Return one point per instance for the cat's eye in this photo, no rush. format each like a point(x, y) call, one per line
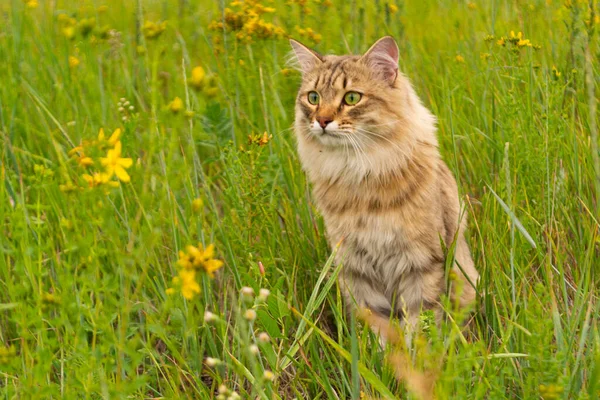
point(313, 98)
point(351, 98)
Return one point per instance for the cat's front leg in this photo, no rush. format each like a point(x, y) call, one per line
point(362, 295)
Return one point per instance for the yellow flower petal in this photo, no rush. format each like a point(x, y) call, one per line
point(125, 162)
point(86, 161)
point(209, 252)
point(101, 134)
point(114, 138)
point(122, 174)
point(77, 149)
point(211, 266)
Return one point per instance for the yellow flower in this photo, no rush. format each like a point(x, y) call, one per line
point(185, 261)
point(73, 61)
point(199, 258)
point(31, 4)
point(96, 179)
point(555, 72)
point(459, 59)
point(114, 137)
point(197, 79)
point(175, 105)
point(393, 8)
point(524, 42)
point(68, 31)
point(210, 266)
point(501, 41)
point(75, 150)
point(472, 6)
point(114, 164)
point(191, 260)
point(189, 286)
point(197, 204)
point(85, 161)
point(152, 30)
point(102, 9)
point(82, 159)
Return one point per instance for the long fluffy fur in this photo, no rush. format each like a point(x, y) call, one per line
point(381, 185)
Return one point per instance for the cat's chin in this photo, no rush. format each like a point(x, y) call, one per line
point(330, 140)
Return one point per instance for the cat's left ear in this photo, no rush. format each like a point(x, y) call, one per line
point(382, 58)
point(307, 58)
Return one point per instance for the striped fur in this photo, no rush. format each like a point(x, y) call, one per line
point(380, 183)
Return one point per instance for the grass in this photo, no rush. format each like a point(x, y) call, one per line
point(84, 271)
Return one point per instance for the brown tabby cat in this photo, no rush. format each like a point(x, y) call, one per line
point(369, 147)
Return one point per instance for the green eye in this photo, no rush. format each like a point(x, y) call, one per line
point(351, 98)
point(313, 98)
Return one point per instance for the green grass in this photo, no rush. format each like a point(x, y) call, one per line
point(83, 274)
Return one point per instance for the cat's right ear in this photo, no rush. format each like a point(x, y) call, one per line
point(306, 59)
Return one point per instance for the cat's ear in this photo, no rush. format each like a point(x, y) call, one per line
point(305, 58)
point(382, 58)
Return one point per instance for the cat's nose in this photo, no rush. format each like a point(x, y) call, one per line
point(323, 121)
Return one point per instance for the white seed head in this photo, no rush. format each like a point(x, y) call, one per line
point(247, 291)
point(123, 99)
point(223, 389)
point(268, 375)
point(209, 317)
point(253, 349)
point(263, 337)
point(263, 294)
point(131, 108)
point(250, 315)
point(211, 362)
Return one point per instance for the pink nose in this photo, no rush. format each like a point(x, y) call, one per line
point(323, 121)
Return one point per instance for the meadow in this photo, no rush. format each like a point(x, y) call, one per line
point(157, 233)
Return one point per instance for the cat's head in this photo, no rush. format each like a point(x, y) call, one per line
point(348, 101)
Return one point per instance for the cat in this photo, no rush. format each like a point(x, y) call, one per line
point(388, 200)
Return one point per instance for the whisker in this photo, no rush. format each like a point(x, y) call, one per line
point(364, 131)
